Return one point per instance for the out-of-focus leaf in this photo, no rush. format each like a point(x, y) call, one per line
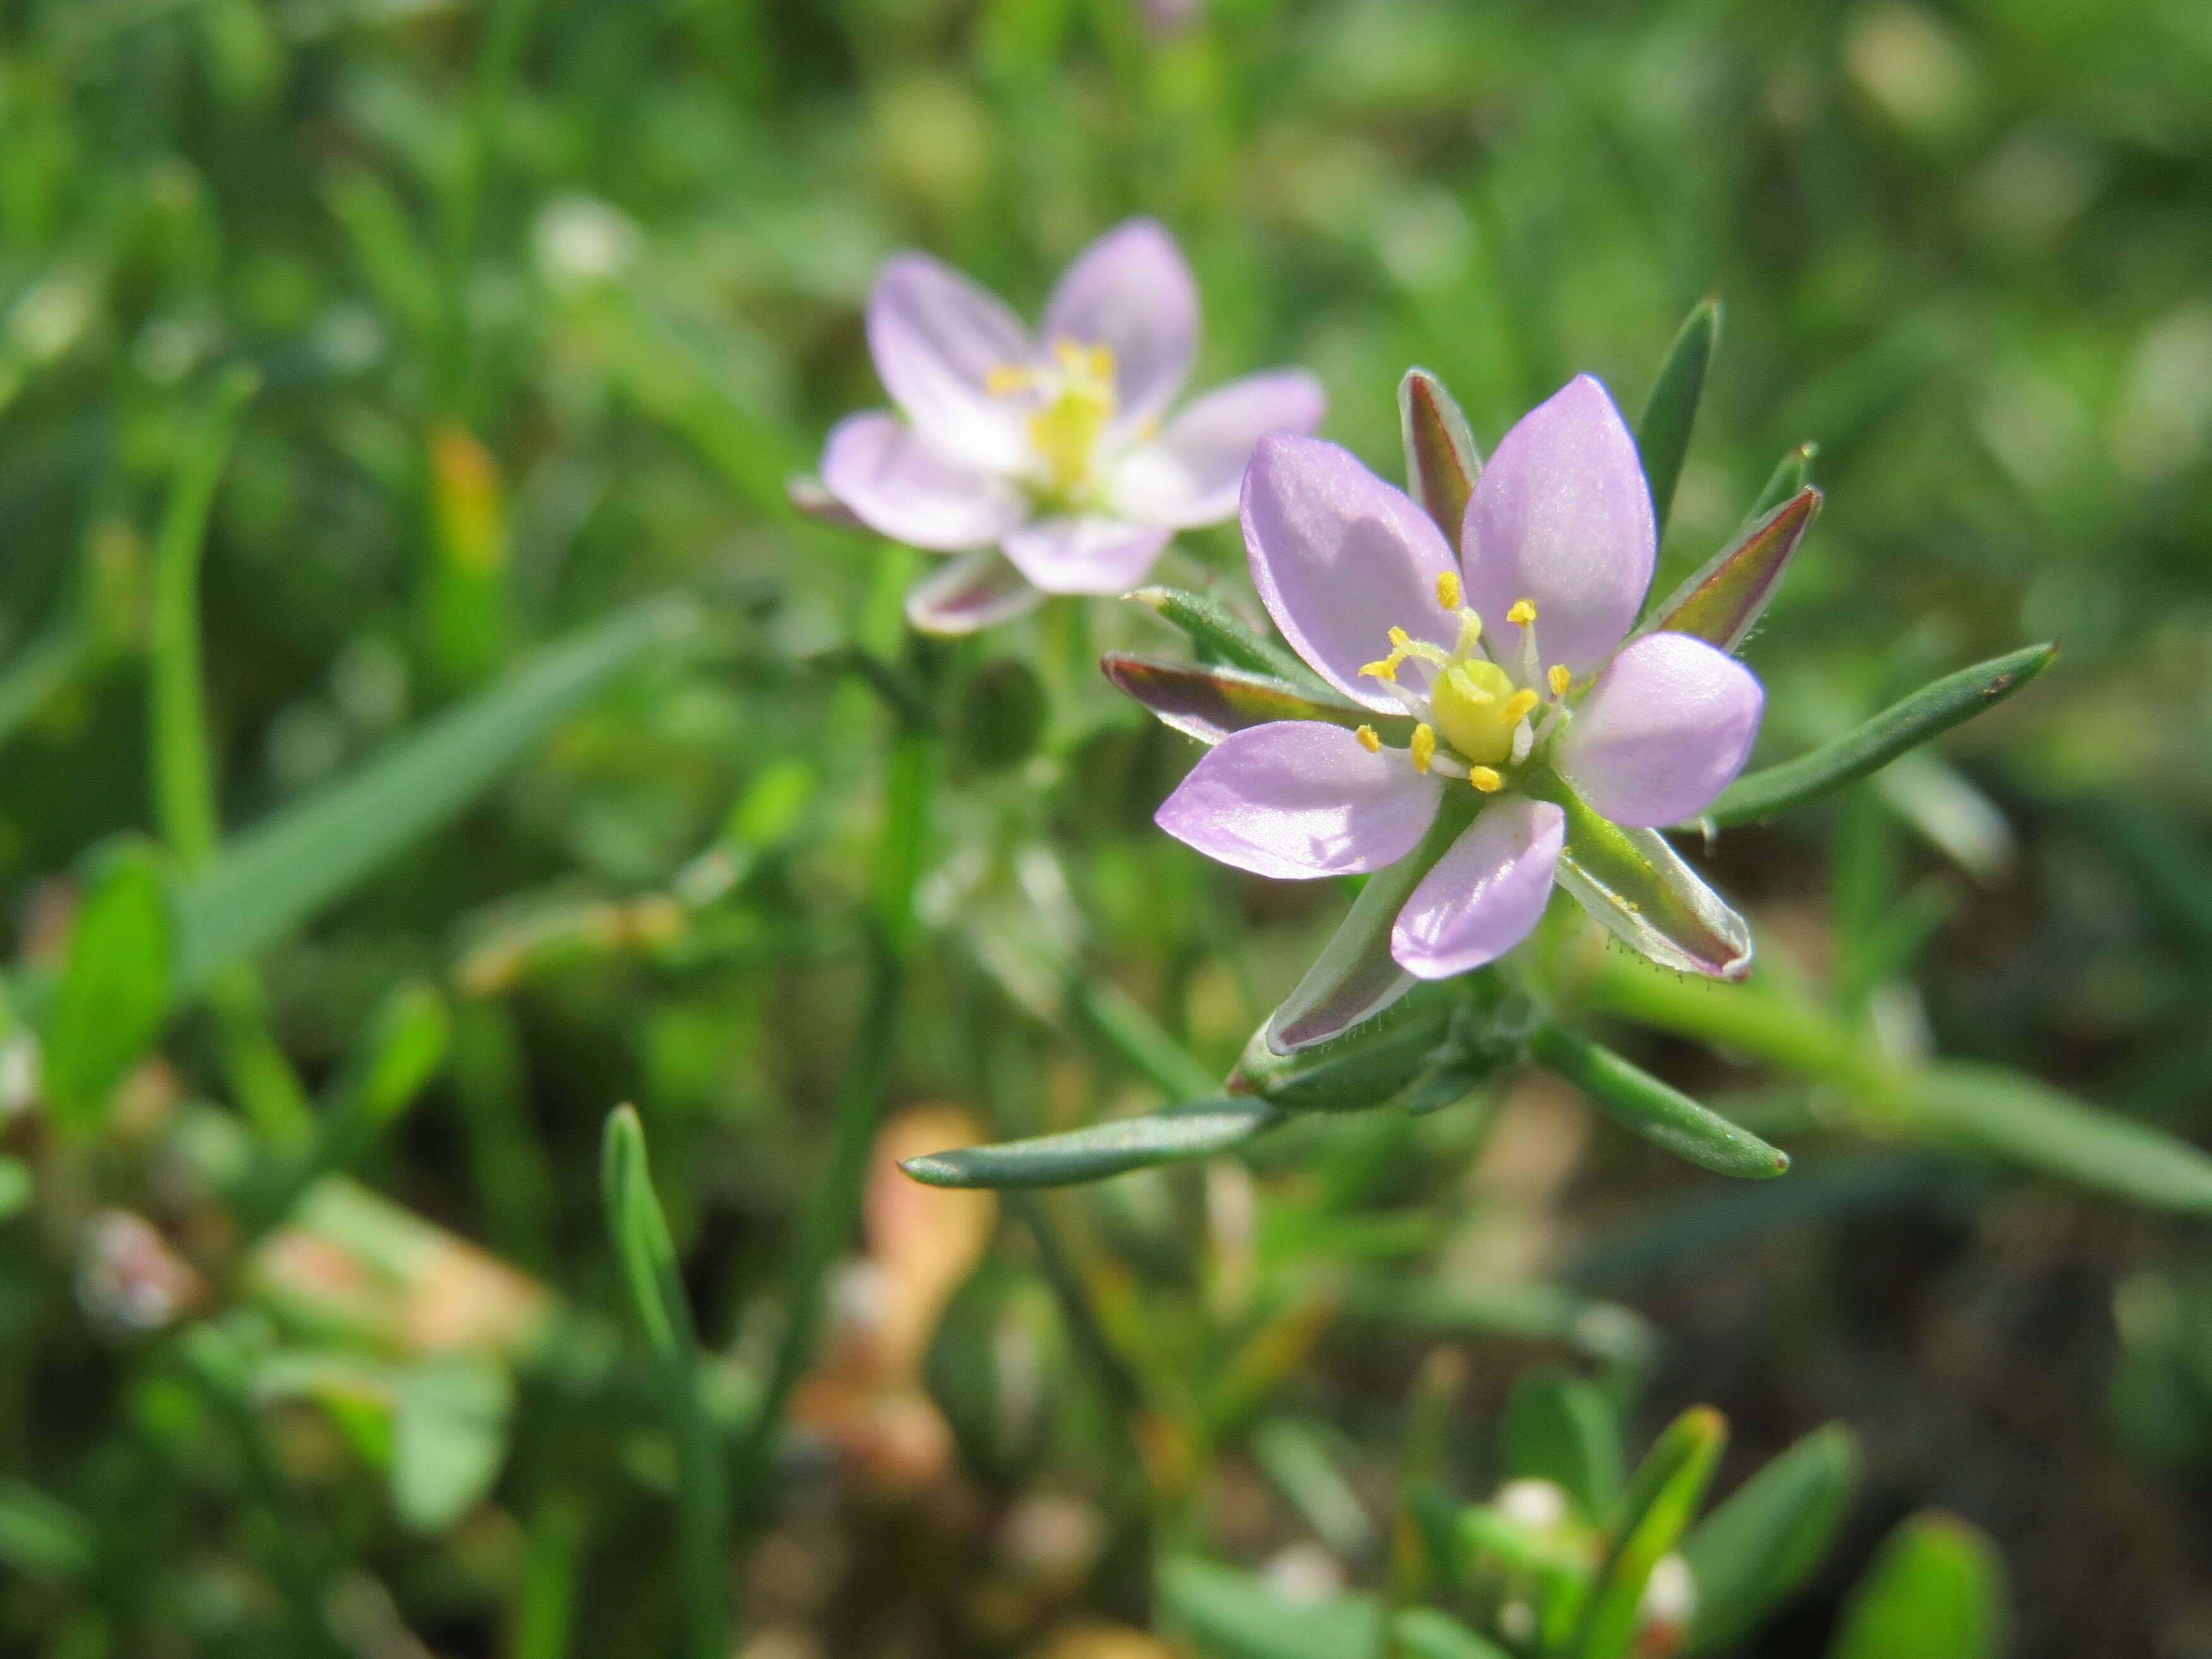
point(2004, 1114)
point(1235, 1616)
point(1661, 1115)
point(1655, 1512)
point(1935, 1592)
point(1663, 430)
point(1002, 714)
point(1635, 886)
point(1217, 632)
point(285, 869)
point(1202, 701)
point(1441, 461)
point(1559, 1427)
point(1355, 977)
point(41, 1537)
point(115, 987)
point(1753, 1551)
point(449, 1437)
point(1927, 713)
point(17, 1186)
point(643, 1244)
point(1534, 1312)
point(1138, 1038)
point(1193, 1130)
point(1950, 812)
point(1724, 599)
point(1293, 1455)
point(1788, 477)
point(1430, 1633)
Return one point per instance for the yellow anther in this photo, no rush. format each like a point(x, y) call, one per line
point(1522, 613)
point(1447, 593)
point(1005, 379)
point(1369, 739)
point(1384, 668)
point(1559, 679)
point(1402, 645)
point(1424, 747)
point(1517, 707)
point(1485, 779)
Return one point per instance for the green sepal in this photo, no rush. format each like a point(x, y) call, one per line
point(1222, 636)
point(1441, 461)
point(1927, 713)
point(1633, 884)
point(1722, 601)
point(1195, 1130)
point(1661, 1115)
point(1663, 430)
point(639, 1229)
point(1355, 977)
point(1429, 1048)
point(1752, 1551)
point(1788, 477)
point(1207, 702)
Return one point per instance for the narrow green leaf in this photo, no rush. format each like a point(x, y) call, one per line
point(1927, 713)
point(642, 1241)
point(114, 990)
point(1559, 1427)
point(1237, 1616)
point(1220, 633)
point(1441, 461)
point(1937, 1592)
point(1663, 430)
point(1202, 701)
point(1788, 477)
point(1355, 976)
point(184, 775)
point(1636, 886)
point(2001, 1113)
point(1138, 1038)
point(1431, 1633)
point(1293, 1455)
point(1661, 1115)
point(1751, 1553)
point(1535, 1313)
point(1655, 1512)
point(449, 1437)
point(1723, 600)
point(1113, 1148)
point(286, 868)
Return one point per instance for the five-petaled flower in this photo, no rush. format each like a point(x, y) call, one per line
point(1045, 463)
point(1509, 660)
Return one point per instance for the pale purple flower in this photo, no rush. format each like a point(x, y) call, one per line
point(1510, 659)
point(1051, 463)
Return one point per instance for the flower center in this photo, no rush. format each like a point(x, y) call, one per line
point(1476, 704)
point(1075, 402)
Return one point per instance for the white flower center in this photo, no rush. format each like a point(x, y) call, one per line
point(1491, 718)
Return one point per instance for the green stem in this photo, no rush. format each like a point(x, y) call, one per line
point(827, 1226)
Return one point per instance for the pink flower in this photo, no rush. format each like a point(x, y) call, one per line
point(1045, 463)
point(1509, 658)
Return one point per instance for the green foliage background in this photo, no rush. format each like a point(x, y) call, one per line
point(546, 300)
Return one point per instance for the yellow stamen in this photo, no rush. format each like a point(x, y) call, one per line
point(1369, 739)
point(1485, 779)
point(1559, 679)
point(1517, 707)
point(1522, 613)
point(1005, 378)
point(1066, 432)
point(1447, 594)
point(1384, 668)
point(1403, 646)
point(1423, 747)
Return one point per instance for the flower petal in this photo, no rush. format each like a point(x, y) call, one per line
point(1085, 554)
point(1300, 798)
point(1190, 474)
point(970, 592)
point(936, 336)
point(1340, 558)
point(1485, 894)
point(1667, 726)
point(1562, 516)
point(902, 486)
point(1131, 292)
